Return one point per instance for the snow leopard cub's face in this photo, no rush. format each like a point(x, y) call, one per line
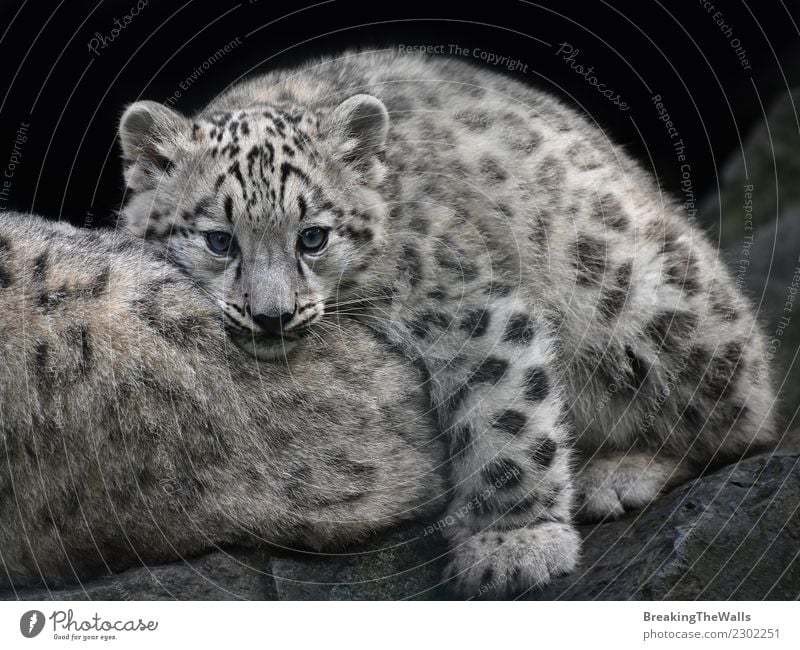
point(273, 210)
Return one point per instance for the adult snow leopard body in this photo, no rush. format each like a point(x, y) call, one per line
point(132, 431)
point(557, 301)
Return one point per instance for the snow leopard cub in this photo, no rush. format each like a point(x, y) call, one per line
point(584, 346)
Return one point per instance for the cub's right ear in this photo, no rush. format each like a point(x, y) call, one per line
point(358, 128)
point(151, 136)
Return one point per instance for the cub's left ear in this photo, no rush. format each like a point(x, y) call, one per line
point(358, 128)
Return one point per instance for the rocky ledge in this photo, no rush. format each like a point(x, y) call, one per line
point(734, 534)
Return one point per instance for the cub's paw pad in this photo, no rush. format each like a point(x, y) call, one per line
point(498, 565)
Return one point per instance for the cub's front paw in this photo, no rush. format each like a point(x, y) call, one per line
point(600, 503)
point(500, 565)
point(608, 487)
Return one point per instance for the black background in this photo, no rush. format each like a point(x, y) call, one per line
point(71, 98)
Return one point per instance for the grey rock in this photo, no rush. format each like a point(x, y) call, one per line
point(732, 535)
point(769, 160)
point(222, 575)
point(404, 564)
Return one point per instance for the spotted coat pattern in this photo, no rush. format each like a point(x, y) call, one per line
point(566, 314)
point(132, 432)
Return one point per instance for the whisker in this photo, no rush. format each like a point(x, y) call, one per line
point(362, 314)
point(316, 336)
point(361, 299)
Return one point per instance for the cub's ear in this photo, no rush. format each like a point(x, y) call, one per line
point(358, 128)
point(151, 135)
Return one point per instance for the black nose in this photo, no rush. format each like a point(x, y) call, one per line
point(273, 324)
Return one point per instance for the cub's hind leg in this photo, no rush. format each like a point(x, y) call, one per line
point(691, 385)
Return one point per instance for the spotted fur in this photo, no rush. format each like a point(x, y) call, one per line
point(132, 432)
point(561, 307)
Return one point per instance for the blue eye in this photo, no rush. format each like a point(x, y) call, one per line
point(219, 242)
point(313, 239)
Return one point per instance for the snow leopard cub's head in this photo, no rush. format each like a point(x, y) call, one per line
point(273, 209)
